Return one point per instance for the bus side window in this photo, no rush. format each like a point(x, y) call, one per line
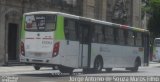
point(83, 32)
point(126, 37)
point(103, 34)
point(69, 29)
point(94, 37)
point(98, 33)
point(122, 37)
point(116, 36)
point(130, 38)
point(138, 39)
point(106, 37)
point(110, 35)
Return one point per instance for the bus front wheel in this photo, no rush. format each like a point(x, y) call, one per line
point(63, 69)
point(37, 67)
point(136, 66)
point(88, 70)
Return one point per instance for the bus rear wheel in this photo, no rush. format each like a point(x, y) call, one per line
point(88, 70)
point(36, 67)
point(64, 69)
point(98, 64)
point(136, 66)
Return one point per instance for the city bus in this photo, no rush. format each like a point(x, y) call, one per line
point(69, 42)
point(156, 50)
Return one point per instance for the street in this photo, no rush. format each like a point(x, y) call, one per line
point(46, 74)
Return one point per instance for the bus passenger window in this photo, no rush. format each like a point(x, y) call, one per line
point(69, 30)
point(94, 39)
point(84, 35)
point(130, 38)
point(121, 37)
point(99, 33)
point(110, 35)
point(138, 39)
point(116, 36)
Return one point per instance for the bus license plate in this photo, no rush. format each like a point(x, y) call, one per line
point(38, 54)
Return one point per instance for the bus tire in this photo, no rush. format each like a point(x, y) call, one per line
point(136, 65)
point(64, 69)
point(108, 69)
point(36, 67)
point(98, 64)
point(55, 67)
point(88, 70)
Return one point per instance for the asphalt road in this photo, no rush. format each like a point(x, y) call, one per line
point(28, 74)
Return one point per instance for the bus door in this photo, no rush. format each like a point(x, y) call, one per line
point(146, 49)
point(84, 36)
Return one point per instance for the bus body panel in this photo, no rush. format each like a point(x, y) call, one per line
point(68, 54)
point(71, 54)
point(39, 44)
point(115, 55)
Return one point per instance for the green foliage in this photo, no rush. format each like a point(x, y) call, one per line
point(153, 8)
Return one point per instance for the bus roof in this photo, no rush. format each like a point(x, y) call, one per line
point(88, 19)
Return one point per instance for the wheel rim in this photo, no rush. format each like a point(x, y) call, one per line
point(36, 67)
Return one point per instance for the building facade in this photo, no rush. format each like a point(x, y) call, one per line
point(126, 12)
point(119, 11)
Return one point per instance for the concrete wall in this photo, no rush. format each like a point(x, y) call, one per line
point(11, 12)
point(137, 13)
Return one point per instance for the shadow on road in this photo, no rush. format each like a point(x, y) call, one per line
point(75, 74)
point(50, 74)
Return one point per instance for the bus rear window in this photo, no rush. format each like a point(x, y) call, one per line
point(40, 22)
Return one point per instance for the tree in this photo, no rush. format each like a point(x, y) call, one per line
point(153, 9)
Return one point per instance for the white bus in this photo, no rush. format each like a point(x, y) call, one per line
point(156, 50)
point(69, 42)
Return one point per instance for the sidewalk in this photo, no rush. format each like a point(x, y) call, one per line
point(154, 64)
point(15, 68)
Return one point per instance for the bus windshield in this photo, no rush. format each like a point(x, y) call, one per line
point(42, 22)
point(157, 42)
